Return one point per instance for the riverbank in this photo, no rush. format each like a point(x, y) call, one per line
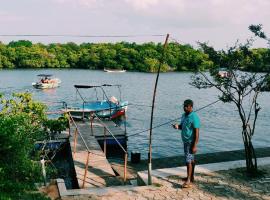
point(225, 184)
point(176, 161)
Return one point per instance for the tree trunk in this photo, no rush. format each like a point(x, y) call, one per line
point(251, 160)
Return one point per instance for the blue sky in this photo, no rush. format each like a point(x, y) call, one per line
point(219, 22)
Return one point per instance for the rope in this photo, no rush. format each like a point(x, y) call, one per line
point(143, 105)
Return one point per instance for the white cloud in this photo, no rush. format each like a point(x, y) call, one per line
point(84, 3)
point(142, 4)
point(8, 17)
point(216, 21)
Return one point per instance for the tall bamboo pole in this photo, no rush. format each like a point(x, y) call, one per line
point(152, 113)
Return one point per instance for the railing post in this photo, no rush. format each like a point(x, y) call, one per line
point(125, 119)
point(75, 141)
point(86, 169)
point(125, 167)
point(83, 113)
point(69, 125)
point(105, 143)
point(91, 122)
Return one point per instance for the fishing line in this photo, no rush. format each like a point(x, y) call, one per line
point(261, 77)
point(172, 120)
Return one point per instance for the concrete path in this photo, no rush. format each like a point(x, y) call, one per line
point(229, 183)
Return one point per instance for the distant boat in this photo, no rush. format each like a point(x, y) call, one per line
point(46, 82)
point(224, 74)
point(114, 70)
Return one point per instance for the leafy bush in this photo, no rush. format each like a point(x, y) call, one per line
point(55, 126)
point(21, 121)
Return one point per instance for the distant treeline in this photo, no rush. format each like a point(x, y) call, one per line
point(129, 56)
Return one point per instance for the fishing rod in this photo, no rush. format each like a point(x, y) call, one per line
point(172, 120)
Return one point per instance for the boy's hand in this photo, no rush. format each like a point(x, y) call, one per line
point(194, 149)
point(176, 126)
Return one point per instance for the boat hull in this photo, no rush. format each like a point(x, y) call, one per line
point(114, 70)
point(53, 84)
point(101, 109)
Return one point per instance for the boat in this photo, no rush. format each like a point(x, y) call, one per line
point(111, 108)
point(224, 74)
point(46, 82)
point(114, 70)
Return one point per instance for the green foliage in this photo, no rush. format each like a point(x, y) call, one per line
point(20, 43)
point(266, 86)
point(130, 56)
point(242, 56)
point(21, 121)
point(257, 30)
point(55, 126)
point(23, 196)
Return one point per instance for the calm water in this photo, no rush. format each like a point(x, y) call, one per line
point(220, 131)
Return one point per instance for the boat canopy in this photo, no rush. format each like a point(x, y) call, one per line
point(101, 87)
point(45, 75)
point(85, 86)
point(95, 86)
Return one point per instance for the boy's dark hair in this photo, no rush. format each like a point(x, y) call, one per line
point(188, 102)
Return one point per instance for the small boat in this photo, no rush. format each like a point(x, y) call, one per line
point(106, 108)
point(114, 70)
point(224, 74)
point(46, 82)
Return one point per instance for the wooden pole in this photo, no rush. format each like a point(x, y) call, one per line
point(125, 167)
point(152, 114)
point(86, 169)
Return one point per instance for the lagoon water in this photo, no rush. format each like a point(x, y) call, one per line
point(220, 129)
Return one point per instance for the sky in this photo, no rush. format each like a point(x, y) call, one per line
point(219, 22)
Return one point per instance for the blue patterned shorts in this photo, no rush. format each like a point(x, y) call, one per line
point(189, 156)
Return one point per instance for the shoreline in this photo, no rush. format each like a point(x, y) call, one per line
point(176, 161)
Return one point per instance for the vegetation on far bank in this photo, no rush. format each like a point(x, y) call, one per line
point(129, 56)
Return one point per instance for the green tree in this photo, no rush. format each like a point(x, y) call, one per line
point(240, 88)
point(20, 43)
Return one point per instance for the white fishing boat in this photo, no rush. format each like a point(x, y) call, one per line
point(46, 82)
point(114, 70)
